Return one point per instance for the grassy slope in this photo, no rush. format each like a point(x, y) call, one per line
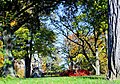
point(59, 80)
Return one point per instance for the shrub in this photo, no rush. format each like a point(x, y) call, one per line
point(67, 73)
point(81, 72)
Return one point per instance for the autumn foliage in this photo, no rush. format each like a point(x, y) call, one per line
point(81, 72)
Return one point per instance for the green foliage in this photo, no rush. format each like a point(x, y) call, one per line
point(7, 62)
point(43, 41)
point(95, 14)
point(21, 35)
point(15, 13)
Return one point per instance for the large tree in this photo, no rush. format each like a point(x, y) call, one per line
point(15, 13)
point(88, 22)
point(94, 13)
point(114, 39)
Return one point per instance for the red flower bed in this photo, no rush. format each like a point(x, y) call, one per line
point(81, 72)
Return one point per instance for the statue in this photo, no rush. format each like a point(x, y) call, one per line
point(8, 58)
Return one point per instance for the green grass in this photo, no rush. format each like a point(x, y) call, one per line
point(59, 80)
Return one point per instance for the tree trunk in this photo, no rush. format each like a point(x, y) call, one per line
point(71, 64)
point(28, 59)
point(97, 64)
point(114, 39)
point(27, 66)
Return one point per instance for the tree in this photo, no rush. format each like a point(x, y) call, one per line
point(87, 22)
point(114, 39)
point(94, 13)
point(14, 14)
point(71, 49)
point(42, 42)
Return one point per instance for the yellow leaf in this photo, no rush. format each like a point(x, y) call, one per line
point(13, 23)
point(79, 55)
point(74, 59)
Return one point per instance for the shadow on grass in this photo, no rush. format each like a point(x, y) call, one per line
point(86, 77)
point(93, 77)
point(83, 77)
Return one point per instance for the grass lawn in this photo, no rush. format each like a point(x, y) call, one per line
point(59, 80)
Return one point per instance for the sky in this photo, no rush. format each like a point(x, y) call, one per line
point(60, 38)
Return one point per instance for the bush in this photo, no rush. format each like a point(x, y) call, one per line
point(67, 73)
point(81, 72)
